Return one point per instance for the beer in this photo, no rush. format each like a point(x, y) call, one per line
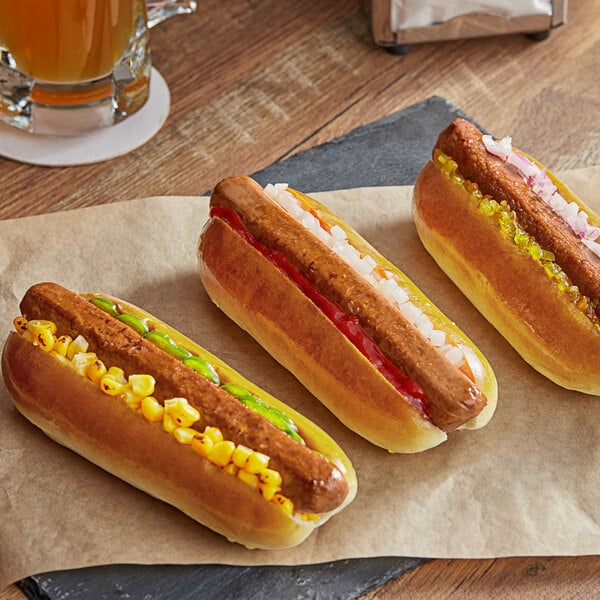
point(66, 41)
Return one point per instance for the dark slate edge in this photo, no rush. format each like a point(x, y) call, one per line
point(340, 580)
point(390, 151)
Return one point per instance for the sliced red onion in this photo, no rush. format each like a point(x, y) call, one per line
point(525, 168)
point(557, 202)
point(580, 224)
point(593, 233)
point(500, 148)
point(593, 246)
point(541, 184)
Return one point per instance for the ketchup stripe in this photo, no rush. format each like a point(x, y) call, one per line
point(348, 324)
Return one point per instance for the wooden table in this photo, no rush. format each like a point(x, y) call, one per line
point(252, 82)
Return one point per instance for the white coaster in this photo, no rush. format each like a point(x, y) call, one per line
point(95, 146)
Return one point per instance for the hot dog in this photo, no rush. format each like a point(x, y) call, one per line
point(363, 339)
point(139, 399)
point(520, 245)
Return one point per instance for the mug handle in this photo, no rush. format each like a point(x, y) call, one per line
point(160, 10)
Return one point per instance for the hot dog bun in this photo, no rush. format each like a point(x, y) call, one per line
point(115, 432)
point(512, 255)
point(242, 278)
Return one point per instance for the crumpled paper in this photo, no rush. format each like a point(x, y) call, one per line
point(526, 484)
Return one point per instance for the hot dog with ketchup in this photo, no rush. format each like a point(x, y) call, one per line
point(137, 398)
point(520, 245)
point(345, 321)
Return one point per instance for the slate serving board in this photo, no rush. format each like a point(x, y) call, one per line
point(390, 151)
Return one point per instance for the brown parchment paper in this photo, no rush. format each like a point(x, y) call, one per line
point(527, 484)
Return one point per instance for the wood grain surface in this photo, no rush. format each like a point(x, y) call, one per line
point(253, 81)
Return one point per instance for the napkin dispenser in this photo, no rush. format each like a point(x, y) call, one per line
point(398, 24)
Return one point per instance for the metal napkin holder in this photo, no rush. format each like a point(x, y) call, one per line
point(392, 33)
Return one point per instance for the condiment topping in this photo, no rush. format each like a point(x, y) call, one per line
point(506, 220)
point(346, 323)
point(176, 415)
point(384, 280)
point(201, 366)
point(541, 184)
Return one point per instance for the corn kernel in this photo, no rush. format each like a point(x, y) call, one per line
point(132, 400)
point(184, 435)
point(256, 462)
point(20, 324)
point(241, 455)
point(109, 386)
point(202, 444)
point(231, 469)
point(284, 503)
point(62, 343)
point(152, 409)
point(268, 491)
point(49, 325)
point(42, 333)
point(182, 412)
point(169, 423)
point(79, 344)
point(249, 478)
point(45, 340)
point(221, 452)
point(214, 433)
point(269, 477)
point(96, 371)
point(142, 385)
point(81, 362)
point(117, 374)
point(309, 516)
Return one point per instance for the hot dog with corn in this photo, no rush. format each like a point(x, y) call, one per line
point(345, 321)
point(139, 399)
point(520, 245)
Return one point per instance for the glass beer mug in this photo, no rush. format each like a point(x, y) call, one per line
point(72, 66)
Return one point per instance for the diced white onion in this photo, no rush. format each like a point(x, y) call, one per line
point(455, 355)
point(337, 239)
point(270, 189)
point(425, 328)
point(388, 286)
point(437, 338)
point(410, 311)
point(322, 235)
point(366, 264)
point(338, 233)
point(310, 222)
point(400, 295)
